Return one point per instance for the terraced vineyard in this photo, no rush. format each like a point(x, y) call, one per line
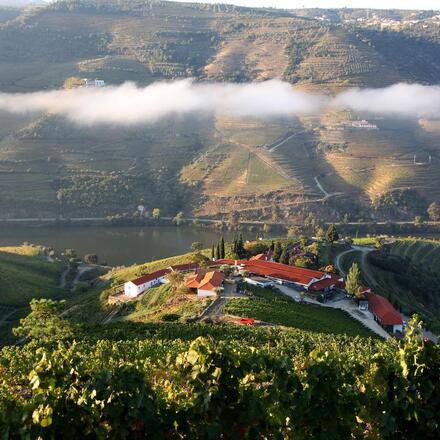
point(201, 164)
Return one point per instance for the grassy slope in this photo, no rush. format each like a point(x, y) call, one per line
point(274, 307)
point(92, 307)
point(25, 274)
point(162, 301)
point(423, 253)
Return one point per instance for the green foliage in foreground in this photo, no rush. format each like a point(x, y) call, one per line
point(44, 322)
point(297, 386)
point(276, 308)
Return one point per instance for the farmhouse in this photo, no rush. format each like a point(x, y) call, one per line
point(93, 83)
point(385, 314)
point(205, 283)
point(135, 287)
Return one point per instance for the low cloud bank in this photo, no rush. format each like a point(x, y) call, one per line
point(128, 104)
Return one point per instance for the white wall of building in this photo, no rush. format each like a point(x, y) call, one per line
point(267, 283)
point(398, 328)
point(205, 293)
point(132, 290)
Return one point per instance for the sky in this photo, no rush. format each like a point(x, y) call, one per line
point(292, 4)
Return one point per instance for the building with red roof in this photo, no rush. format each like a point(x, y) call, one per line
point(262, 257)
point(282, 273)
point(205, 283)
point(327, 283)
point(385, 313)
point(139, 285)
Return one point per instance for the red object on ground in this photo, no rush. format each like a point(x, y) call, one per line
point(247, 321)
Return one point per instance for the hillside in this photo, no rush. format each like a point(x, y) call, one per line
point(208, 166)
point(25, 273)
point(406, 272)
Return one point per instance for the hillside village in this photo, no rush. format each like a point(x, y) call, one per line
point(229, 278)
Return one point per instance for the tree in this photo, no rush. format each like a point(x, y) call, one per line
point(91, 258)
point(218, 254)
point(175, 279)
point(212, 252)
point(222, 248)
point(179, 218)
point(272, 246)
point(293, 231)
point(320, 233)
point(418, 220)
point(44, 322)
point(332, 234)
point(156, 214)
point(277, 251)
point(434, 212)
point(201, 259)
point(196, 246)
point(304, 241)
point(353, 282)
point(70, 253)
point(233, 218)
point(244, 273)
point(284, 258)
point(305, 262)
point(239, 248)
point(275, 213)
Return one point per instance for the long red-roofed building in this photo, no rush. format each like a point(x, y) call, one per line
point(385, 313)
point(139, 285)
point(282, 273)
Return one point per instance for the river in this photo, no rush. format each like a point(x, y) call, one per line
point(115, 245)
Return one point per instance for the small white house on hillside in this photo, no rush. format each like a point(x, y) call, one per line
point(135, 287)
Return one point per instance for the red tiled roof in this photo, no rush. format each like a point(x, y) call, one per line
point(384, 310)
point(294, 274)
point(225, 261)
point(185, 266)
point(205, 280)
point(261, 257)
point(326, 282)
point(150, 277)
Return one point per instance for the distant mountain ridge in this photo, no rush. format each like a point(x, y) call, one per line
point(210, 166)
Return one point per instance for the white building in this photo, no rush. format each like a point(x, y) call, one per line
point(135, 287)
point(94, 82)
point(259, 281)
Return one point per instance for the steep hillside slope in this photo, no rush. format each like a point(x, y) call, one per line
point(210, 166)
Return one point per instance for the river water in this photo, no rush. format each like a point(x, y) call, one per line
point(116, 245)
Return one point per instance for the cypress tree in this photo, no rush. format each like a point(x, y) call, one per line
point(218, 254)
point(212, 252)
point(284, 257)
point(353, 281)
point(272, 246)
point(222, 248)
point(332, 234)
point(241, 252)
point(278, 250)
